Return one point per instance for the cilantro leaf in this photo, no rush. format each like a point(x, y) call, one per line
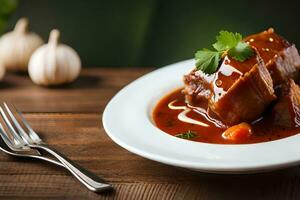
point(187, 135)
point(207, 60)
point(227, 40)
point(241, 52)
point(228, 43)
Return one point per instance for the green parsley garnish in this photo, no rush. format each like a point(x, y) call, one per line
point(187, 135)
point(227, 43)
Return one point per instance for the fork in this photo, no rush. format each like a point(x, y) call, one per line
point(20, 140)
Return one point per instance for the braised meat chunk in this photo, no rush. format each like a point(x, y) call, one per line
point(286, 111)
point(246, 99)
point(197, 87)
point(281, 58)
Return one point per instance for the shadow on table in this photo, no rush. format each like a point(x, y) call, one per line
point(15, 80)
point(83, 82)
point(22, 80)
point(7, 85)
point(86, 81)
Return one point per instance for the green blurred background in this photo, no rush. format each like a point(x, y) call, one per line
point(133, 33)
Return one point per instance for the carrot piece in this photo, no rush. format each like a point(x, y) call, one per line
point(238, 132)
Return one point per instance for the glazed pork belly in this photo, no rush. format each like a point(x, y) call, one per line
point(286, 112)
point(280, 57)
point(241, 91)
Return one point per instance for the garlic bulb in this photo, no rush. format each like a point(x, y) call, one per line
point(17, 46)
point(54, 63)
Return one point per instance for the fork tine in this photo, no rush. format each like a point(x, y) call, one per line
point(5, 137)
point(32, 134)
point(22, 132)
point(16, 138)
point(7, 140)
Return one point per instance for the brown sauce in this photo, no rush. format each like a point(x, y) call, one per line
point(167, 120)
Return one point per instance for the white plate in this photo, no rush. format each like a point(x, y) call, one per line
point(127, 120)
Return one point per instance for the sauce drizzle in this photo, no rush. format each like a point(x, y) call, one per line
point(183, 115)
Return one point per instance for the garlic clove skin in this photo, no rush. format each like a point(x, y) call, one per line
point(53, 63)
point(16, 47)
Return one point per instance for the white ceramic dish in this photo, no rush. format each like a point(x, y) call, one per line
point(127, 120)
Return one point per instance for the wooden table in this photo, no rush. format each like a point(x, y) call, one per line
point(69, 118)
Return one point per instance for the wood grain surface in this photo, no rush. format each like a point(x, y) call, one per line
point(69, 118)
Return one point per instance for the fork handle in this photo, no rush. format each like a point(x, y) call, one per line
point(89, 179)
